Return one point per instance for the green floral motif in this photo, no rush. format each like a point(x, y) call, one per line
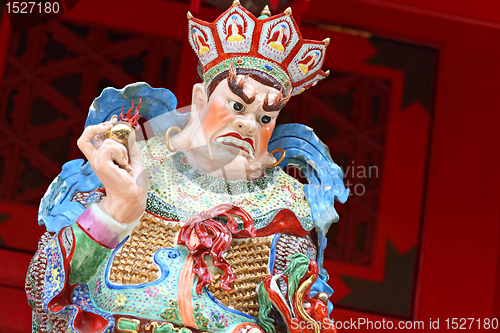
point(201, 320)
point(218, 320)
point(171, 313)
point(155, 186)
point(120, 301)
point(35, 323)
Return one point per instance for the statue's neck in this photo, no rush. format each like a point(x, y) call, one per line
point(231, 171)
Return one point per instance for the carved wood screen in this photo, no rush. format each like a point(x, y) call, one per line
point(52, 74)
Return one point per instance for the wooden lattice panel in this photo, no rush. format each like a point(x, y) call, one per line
point(52, 74)
point(349, 112)
point(134, 264)
point(249, 261)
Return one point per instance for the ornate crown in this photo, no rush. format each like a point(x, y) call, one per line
point(270, 44)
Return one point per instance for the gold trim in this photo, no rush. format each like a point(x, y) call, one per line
point(326, 41)
point(189, 16)
point(134, 264)
point(249, 260)
point(322, 296)
point(128, 331)
point(300, 306)
point(236, 3)
point(288, 11)
point(283, 154)
point(170, 149)
point(327, 72)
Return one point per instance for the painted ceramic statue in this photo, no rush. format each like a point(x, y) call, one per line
point(195, 227)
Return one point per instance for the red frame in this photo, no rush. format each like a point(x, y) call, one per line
point(455, 166)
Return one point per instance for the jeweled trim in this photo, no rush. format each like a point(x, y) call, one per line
point(250, 62)
point(222, 186)
point(157, 206)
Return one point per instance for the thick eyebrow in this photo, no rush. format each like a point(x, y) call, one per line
point(278, 104)
point(237, 87)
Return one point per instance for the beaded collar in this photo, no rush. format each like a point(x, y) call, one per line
point(222, 186)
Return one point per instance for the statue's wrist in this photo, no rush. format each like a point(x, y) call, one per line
point(103, 228)
point(123, 211)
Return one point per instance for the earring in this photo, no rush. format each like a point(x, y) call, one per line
point(167, 138)
point(283, 154)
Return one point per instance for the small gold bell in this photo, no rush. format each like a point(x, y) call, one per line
point(121, 132)
point(124, 130)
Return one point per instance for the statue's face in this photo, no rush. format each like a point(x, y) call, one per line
point(237, 133)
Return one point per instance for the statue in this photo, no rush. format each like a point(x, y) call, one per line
point(235, 30)
point(279, 38)
point(196, 228)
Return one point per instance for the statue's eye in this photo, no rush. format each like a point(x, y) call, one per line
point(265, 119)
point(236, 106)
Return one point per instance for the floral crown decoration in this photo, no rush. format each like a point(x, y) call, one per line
point(270, 44)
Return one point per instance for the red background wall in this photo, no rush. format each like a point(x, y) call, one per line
point(458, 253)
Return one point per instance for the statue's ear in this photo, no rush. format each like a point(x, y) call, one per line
point(199, 100)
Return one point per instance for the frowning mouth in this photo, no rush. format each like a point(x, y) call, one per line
point(233, 139)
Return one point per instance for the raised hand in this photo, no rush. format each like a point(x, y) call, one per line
point(121, 172)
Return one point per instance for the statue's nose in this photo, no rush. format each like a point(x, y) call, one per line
point(246, 125)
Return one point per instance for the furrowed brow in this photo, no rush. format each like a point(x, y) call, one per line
point(237, 87)
point(278, 104)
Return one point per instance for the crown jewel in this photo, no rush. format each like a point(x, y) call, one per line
point(270, 44)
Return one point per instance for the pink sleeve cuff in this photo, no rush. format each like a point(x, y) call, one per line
point(104, 229)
